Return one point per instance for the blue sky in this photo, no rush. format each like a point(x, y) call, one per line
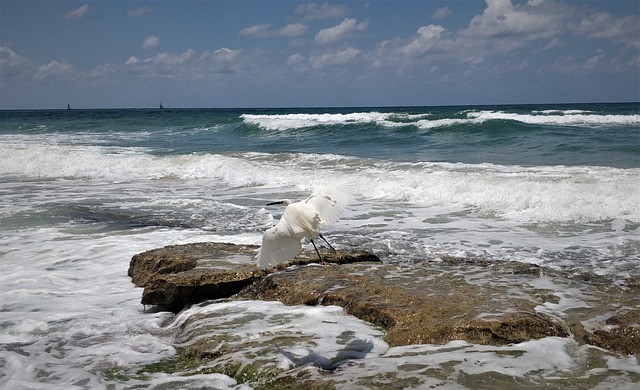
point(99, 54)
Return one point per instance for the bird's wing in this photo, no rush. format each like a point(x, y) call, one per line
point(278, 246)
point(301, 220)
point(329, 202)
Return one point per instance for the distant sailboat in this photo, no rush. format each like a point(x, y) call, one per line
point(161, 106)
point(68, 106)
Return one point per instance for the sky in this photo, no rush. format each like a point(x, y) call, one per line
point(244, 53)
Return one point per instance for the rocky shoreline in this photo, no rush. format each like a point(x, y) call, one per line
point(420, 302)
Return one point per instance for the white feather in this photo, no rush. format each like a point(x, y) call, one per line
point(301, 220)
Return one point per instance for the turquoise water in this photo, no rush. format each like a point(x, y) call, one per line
point(583, 134)
point(84, 190)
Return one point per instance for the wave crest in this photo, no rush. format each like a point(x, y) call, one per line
point(428, 121)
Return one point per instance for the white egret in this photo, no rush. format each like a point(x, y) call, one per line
point(301, 220)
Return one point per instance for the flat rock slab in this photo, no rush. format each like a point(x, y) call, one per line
point(422, 302)
point(437, 312)
point(178, 275)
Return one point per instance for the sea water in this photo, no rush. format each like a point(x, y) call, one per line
point(82, 191)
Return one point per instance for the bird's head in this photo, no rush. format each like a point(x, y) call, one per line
point(285, 202)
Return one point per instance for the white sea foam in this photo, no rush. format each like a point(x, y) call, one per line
point(326, 335)
point(560, 111)
point(299, 121)
point(73, 311)
point(524, 194)
point(423, 121)
point(571, 118)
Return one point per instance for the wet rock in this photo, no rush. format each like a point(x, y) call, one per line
point(173, 259)
point(410, 314)
point(418, 302)
point(621, 333)
point(177, 275)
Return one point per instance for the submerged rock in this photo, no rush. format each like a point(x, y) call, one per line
point(425, 302)
point(621, 333)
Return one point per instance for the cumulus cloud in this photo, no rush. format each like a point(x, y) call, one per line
point(8, 57)
point(78, 13)
point(441, 13)
point(187, 65)
point(340, 57)
point(295, 59)
point(132, 60)
point(265, 31)
point(151, 42)
point(336, 33)
point(501, 18)
point(312, 11)
point(226, 55)
point(53, 69)
point(427, 38)
point(259, 30)
point(170, 59)
point(163, 59)
point(12, 64)
point(139, 11)
point(605, 25)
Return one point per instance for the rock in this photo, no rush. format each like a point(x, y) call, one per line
point(416, 302)
point(410, 315)
point(621, 333)
point(177, 275)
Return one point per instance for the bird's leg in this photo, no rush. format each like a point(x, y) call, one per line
point(325, 240)
point(318, 252)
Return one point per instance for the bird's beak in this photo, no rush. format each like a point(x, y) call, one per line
point(274, 203)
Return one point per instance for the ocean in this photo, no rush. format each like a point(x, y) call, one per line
point(82, 191)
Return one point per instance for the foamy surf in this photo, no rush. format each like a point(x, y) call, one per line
point(429, 121)
point(522, 194)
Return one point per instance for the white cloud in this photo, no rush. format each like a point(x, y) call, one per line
point(593, 61)
point(336, 33)
point(265, 31)
point(555, 42)
point(524, 21)
point(293, 30)
point(605, 25)
point(259, 30)
point(151, 42)
point(132, 60)
point(226, 55)
point(170, 59)
point(13, 65)
point(427, 38)
point(9, 58)
point(139, 11)
point(312, 11)
point(340, 57)
point(53, 69)
point(295, 59)
point(441, 13)
point(187, 65)
point(78, 13)
point(102, 70)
